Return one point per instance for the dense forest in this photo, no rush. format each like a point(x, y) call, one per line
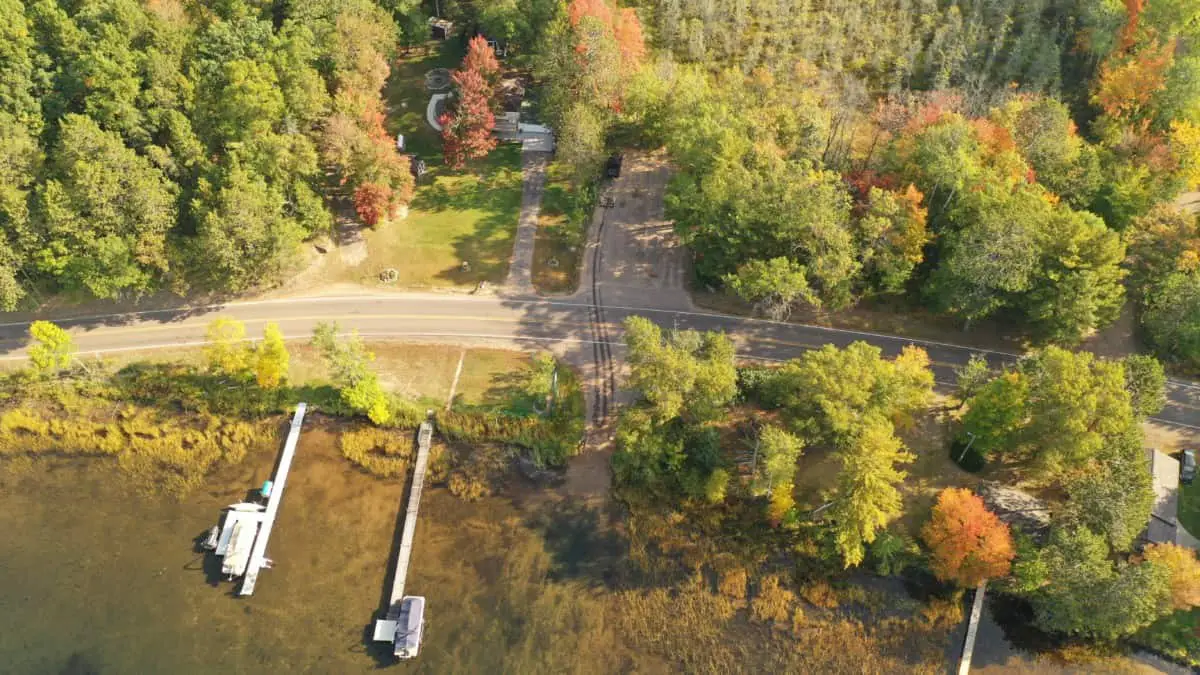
point(1014, 161)
point(1004, 160)
point(991, 159)
point(174, 144)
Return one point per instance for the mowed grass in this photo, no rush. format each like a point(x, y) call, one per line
point(407, 97)
point(420, 371)
point(561, 235)
point(456, 216)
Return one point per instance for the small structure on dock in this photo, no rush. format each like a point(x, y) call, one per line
point(241, 538)
point(404, 622)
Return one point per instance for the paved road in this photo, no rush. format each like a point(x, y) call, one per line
point(633, 266)
point(566, 326)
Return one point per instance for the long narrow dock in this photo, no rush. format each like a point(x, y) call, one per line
point(405, 619)
point(424, 438)
point(258, 555)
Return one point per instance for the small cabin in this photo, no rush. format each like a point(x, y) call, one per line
point(440, 29)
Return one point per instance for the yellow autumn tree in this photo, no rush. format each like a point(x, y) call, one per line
point(1184, 572)
point(225, 349)
point(271, 358)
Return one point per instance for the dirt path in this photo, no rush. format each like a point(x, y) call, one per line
point(520, 265)
point(633, 256)
point(632, 259)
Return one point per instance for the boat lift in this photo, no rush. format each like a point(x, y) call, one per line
point(241, 539)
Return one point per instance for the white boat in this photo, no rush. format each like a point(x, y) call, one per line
point(214, 536)
point(237, 554)
point(237, 513)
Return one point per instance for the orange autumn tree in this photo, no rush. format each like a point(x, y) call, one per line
point(968, 543)
point(1128, 83)
point(620, 25)
point(373, 202)
point(481, 58)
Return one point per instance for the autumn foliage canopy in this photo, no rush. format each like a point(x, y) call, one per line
point(1184, 570)
point(968, 543)
point(373, 202)
point(467, 126)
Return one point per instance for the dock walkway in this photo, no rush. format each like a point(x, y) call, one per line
point(424, 441)
point(258, 556)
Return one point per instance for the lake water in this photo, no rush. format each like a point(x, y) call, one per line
point(97, 579)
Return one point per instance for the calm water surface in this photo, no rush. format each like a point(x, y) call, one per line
point(95, 578)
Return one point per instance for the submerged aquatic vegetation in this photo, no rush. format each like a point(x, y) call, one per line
point(172, 452)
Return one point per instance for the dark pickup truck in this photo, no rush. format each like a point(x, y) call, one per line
point(613, 169)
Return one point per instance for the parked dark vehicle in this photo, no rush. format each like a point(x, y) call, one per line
point(1187, 467)
point(613, 170)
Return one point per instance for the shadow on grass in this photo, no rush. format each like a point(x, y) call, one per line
point(491, 189)
point(182, 387)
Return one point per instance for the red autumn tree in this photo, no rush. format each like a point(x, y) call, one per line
point(968, 543)
point(1133, 9)
point(467, 127)
point(481, 58)
point(372, 202)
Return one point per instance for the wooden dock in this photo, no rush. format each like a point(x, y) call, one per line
point(424, 441)
point(258, 555)
point(404, 622)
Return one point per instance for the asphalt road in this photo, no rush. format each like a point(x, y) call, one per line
point(562, 325)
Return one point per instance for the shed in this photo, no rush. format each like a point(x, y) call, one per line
point(440, 29)
point(507, 124)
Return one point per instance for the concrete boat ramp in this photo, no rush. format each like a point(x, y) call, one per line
point(241, 539)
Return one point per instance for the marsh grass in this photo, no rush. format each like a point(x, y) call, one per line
point(381, 452)
point(169, 453)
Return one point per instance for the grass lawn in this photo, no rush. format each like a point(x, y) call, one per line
point(407, 97)
point(561, 234)
point(419, 371)
point(1189, 507)
point(469, 215)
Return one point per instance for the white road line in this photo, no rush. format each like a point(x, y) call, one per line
point(554, 303)
point(520, 301)
point(200, 343)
